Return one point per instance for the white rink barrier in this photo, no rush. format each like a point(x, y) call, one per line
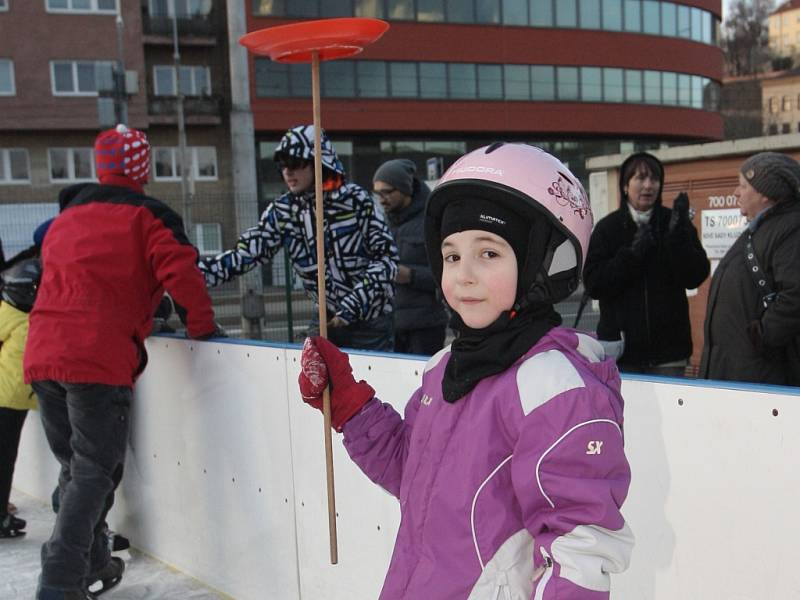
point(225, 480)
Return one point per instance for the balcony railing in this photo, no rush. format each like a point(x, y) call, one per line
point(192, 105)
point(195, 25)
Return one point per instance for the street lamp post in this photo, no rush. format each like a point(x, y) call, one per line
point(187, 181)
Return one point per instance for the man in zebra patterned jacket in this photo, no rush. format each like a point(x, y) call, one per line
point(361, 256)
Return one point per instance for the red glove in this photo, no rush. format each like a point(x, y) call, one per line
point(322, 364)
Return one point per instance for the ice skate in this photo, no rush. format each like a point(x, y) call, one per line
point(11, 527)
point(106, 578)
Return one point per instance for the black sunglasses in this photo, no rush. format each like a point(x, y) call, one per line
point(293, 164)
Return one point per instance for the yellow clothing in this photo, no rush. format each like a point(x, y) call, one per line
point(14, 393)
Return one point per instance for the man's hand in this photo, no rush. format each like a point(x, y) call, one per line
point(337, 321)
point(403, 275)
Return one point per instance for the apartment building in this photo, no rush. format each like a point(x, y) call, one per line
point(57, 64)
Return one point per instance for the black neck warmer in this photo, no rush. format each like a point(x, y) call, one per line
point(479, 353)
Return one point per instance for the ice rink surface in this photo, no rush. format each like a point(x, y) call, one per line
point(145, 578)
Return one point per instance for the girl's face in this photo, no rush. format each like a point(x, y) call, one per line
point(479, 276)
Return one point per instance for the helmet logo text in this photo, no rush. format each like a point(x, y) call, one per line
point(480, 169)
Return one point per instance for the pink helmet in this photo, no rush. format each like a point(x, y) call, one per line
point(541, 190)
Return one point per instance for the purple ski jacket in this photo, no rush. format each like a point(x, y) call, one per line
point(513, 492)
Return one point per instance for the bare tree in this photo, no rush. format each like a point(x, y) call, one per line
point(745, 39)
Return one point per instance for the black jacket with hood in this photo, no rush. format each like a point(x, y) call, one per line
point(644, 298)
point(417, 304)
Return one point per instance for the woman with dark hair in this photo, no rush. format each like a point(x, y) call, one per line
point(641, 260)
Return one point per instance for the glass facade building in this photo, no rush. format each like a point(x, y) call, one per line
point(579, 78)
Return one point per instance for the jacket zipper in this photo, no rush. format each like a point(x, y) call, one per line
point(545, 578)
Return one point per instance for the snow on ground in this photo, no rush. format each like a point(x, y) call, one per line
point(145, 578)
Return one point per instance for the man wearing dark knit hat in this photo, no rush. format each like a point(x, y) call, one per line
point(419, 315)
point(752, 327)
point(106, 262)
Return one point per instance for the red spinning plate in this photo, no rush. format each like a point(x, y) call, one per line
point(331, 38)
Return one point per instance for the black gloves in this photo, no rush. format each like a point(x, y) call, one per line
point(218, 332)
point(680, 212)
point(643, 241)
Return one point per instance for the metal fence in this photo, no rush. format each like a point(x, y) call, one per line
point(267, 303)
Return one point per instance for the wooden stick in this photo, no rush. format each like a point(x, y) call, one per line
point(323, 313)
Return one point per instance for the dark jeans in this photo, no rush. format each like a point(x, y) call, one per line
point(87, 428)
point(11, 422)
point(375, 334)
point(426, 341)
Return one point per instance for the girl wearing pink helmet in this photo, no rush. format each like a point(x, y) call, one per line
point(508, 462)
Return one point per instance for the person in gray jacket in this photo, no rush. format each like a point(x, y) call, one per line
point(752, 328)
point(419, 315)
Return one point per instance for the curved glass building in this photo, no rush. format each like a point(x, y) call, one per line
point(577, 77)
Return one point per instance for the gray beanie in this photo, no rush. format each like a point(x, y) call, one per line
point(398, 173)
point(774, 175)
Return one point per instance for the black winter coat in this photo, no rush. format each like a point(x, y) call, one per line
point(734, 302)
point(417, 304)
point(645, 298)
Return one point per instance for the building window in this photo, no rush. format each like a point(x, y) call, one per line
point(433, 80)
point(684, 22)
point(786, 127)
point(542, 13)
point(543, 83)
point(652, 17)
point(568, 84)
point(490, 82)
point(786, 104)
point(652, 87)
point(566, 13)
point(7, 87)
point(3, 5)
point(669, 19)
point(184, 8)
point(403, 79)
point(371, 78)
point(209, 238)
point(202, 159)
point(773, 105)
point(71, 164)
point(515, 12)
point(633, 86)
point(591, 84)
point(80, 77)
point(517, 79)
point(83, 6)
point(338, 79)
point(461, 77)
point(651, 22)
point(613, 86)
point(194, 81)
point(773, 129)
point(470, 81)
point(14, 166)
point(633, 15)
point(429, 11)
